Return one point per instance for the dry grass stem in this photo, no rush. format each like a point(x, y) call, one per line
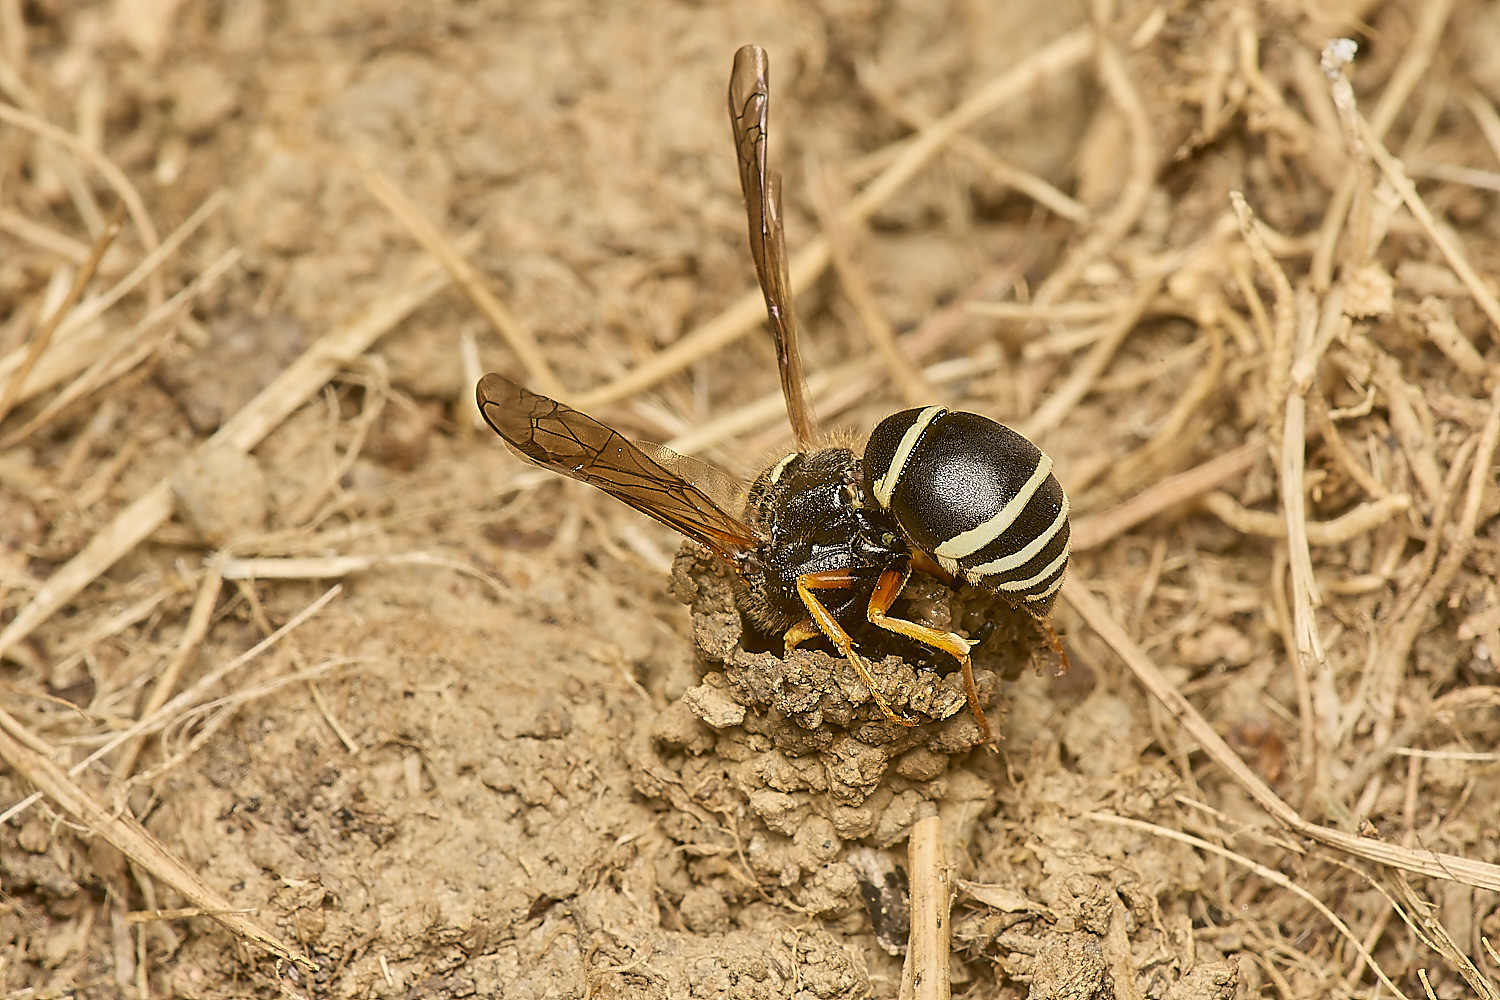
point(836, 389)
point(1320, 135)
point(1441, 237)
point(1292, 470)
point(191, 698)
point(1114, 225)
point(1008, 174)
point(1296, 350)
point(925, 975)
point(1415, 62)
point(44, 334)
point(198, 622)
point(180, 913)
point(928, 337)
point(1431, 863)
point(467, 404)
point(1469, 699)
point(377, 392)
point(1328, 433)
point(1485, 116)
point(136, 842)
point(904, 375)
point(1410, 421)
point(1361, 241)
point(52, 156)
point(1419, 916)
point(71, 337)
point(1059, 312)
point(78, 651)
point(113, 175)
point(765, 410)
point(332, 720)
point(335, 567)
point(1398, 637)
point(1081, 379)
point(1094, 530)
point(1480, 622)
point(1358, 521)
point(1487, 180)
point(127, 529)
point(243, 431)
point(210, 717)
point(1436, 319)
point(126, 351)
point(1171, 439)
point(42, 237)
point(1270, 875)
point(1282, 331)
point(514, 333)
point(748, 311)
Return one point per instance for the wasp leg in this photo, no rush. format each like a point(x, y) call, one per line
point(887, 589)
point(924, 563)
point(1055, 644)
point(800, 633)
point(823, 618)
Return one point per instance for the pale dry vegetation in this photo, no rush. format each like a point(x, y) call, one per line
point(310, 689)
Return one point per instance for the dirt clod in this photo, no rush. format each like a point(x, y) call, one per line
point(797, 747)
point(222, 495)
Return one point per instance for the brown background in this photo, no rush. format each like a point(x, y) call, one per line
point(445, 806)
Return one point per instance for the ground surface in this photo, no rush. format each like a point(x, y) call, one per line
point(473, 770)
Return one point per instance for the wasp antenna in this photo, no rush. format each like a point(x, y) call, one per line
point(749, 108)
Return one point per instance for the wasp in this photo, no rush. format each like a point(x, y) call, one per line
point(824, 541)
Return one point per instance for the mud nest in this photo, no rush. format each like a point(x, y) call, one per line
point(793, 756)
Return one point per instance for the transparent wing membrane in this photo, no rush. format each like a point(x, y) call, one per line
point(560, 438)
point(749, 107)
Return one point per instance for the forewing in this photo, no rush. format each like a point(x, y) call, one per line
point(749, 108)
point(560, 438)
point(726, 491)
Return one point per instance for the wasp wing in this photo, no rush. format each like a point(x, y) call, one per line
point(749, 111)
point(560, 438)
point(726, 492)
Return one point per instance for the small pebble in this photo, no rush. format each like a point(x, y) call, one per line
point(221, 495)
point(704, 911)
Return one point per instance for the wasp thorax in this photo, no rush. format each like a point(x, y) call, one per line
point(808, 507)
point(801, 488)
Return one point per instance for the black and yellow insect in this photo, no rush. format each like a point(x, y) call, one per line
point(824, 541)
point(978, 497)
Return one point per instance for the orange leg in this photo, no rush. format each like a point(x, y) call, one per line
point(823, 618)
point(887, 589)
point(800, 633)
point(1055, 644)
point(924, 563)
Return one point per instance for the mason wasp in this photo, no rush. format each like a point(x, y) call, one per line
point(824, 541)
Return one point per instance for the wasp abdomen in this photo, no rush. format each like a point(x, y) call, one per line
point(977, 496)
